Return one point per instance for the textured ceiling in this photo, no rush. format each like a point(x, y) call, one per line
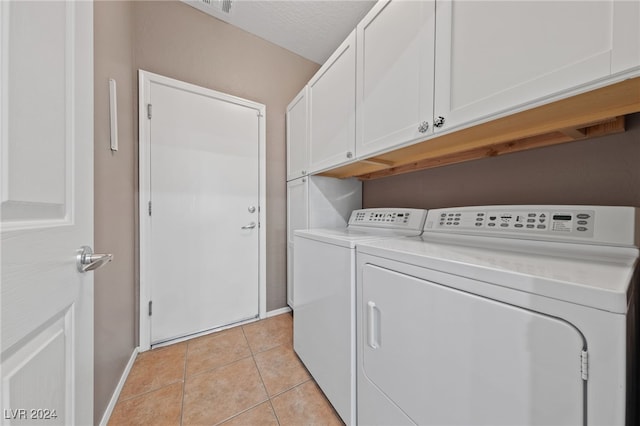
point(313, 29)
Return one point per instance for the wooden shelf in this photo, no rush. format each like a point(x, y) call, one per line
point(587, 115)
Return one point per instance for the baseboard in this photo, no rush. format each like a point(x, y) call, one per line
point(278, 311)
point(116, 393)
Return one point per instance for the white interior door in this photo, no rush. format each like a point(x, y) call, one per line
point(203, 252)
point(47, 212)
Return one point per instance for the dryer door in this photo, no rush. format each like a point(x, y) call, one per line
point(442, 356)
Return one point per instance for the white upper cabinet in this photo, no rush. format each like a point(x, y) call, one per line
point(394, 75)
point(332, 96)
point(297, 136)
point(497, 57)
point(625, 54)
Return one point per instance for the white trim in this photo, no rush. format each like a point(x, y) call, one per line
point(278, 312)
point(116, 393)
point(269, 314)
point(204, 333)
point(144, 84)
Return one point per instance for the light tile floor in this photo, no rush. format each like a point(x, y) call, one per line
point(246, 375)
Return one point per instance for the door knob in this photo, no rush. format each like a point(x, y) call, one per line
point(252, 209)
point(87, 260)
point(249, 226)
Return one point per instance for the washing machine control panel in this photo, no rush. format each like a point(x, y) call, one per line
point(389, 218)
point(610, 225)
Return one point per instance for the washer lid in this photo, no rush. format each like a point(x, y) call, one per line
point(601, 284)
point(346, 237)
point(369, 224)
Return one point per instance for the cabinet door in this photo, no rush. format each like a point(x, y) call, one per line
point(297, 218)
point(394, 75)
point(297, 136)
point(495, 57)
point(625, 54)
point(332, 96)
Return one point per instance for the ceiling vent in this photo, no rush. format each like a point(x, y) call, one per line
point(218, 5)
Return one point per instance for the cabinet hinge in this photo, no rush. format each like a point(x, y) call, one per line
point(584, 367)
point(150, 307)
point(149, 208)
point(149, 110)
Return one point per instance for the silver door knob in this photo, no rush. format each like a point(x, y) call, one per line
point(87, 260)
point(252, 209)
point(249, 226)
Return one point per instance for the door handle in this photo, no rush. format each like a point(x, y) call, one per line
point(249, 226)
point(373, 326)
point(87, 260)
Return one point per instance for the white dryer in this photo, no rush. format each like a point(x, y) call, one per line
point(501, 315)
point(324, 320)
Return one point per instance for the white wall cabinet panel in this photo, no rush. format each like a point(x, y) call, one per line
point(297, 218)
point(494, 57)
point(394, 75)
point(297, 136)
point(332, 95)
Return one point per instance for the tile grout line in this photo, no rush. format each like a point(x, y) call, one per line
point(261, 380)
point(253, 355)
point(274, 412)
point(184, 383)
point(199, 373)
point(149, 391)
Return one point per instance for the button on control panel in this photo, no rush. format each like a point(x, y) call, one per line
point(576, 223)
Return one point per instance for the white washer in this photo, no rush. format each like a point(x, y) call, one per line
point(501, 315)
point(324, 284)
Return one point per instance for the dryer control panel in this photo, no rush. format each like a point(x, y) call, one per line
point(576, 223)
point(593, 224)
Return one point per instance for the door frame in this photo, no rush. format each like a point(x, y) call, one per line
point(145, 79)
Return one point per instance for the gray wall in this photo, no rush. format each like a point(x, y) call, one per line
point(604, 171)
point(173, 39)
point(115, 188)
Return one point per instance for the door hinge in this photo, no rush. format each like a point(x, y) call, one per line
point(584, 367)
point(149, 208)
point(149, 110)
point(150, 307)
